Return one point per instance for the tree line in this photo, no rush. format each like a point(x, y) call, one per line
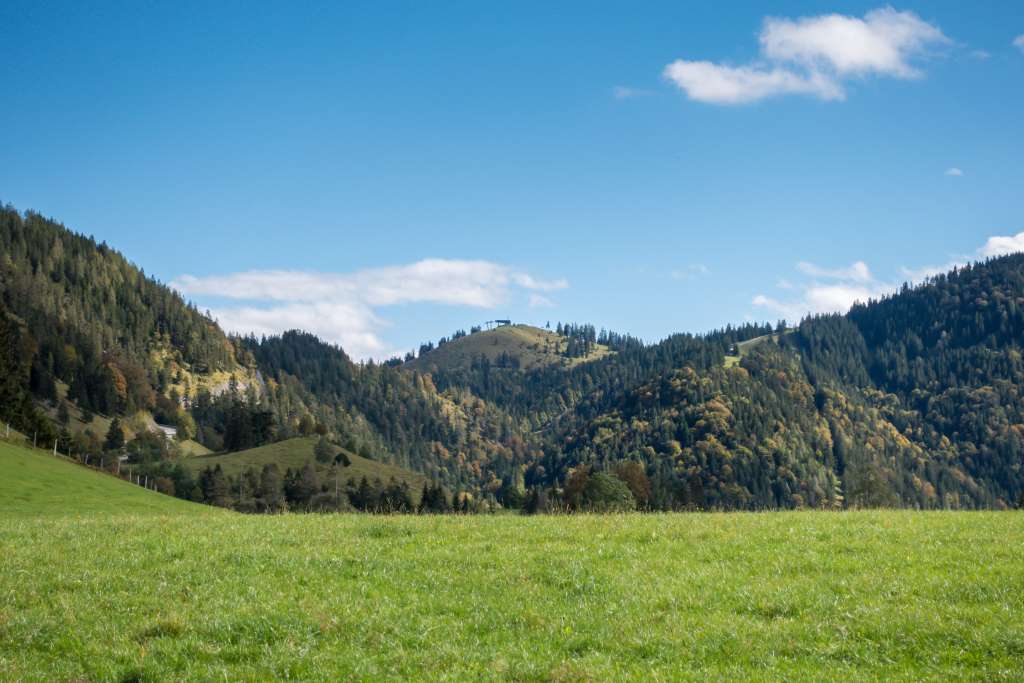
point(912, 400)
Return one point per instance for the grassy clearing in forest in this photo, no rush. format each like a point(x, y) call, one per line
point(532, 346)
point(295, 453)
point(777, 596)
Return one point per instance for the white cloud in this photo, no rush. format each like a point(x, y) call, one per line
point(624, 92)
point(882, 42)
point(812, 56)
point(340, 307)
point(466, 283)
point(817, 299)
point(1018, 42)
point(708, 82)
point(997, 245)
point(981, 54)
point(351, 324)
point(857, 271)
point(835, 290)
point(839, 297)
point(1000, 246)
point(954, 172)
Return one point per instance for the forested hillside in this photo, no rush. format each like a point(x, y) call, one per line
point(95, 320)
point(82, 326)
point(914, 400)
point(383, 412)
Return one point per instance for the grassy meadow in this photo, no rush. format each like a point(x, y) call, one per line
point(34, 483)
point(532, 346)
point(295, 453)
point(105, 596)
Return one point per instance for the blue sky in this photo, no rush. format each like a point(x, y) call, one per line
point(384, 173)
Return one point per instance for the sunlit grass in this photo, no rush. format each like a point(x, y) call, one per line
point(781, 596)
point(33, 482)
point(295, 453)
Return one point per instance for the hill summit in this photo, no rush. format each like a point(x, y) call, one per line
point(521, 347)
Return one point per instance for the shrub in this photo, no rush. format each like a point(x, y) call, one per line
point(606, 493)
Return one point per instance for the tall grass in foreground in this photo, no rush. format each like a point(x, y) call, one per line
point(783, 596)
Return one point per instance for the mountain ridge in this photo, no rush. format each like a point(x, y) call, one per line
point(911, 400)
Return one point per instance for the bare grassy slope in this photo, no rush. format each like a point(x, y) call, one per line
point(533, 346)
point(33, 482)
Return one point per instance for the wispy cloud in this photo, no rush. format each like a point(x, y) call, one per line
point(1018, 42)
point(342, 307)
point(832, 290)
point(718, 84)
point(624, 92)
point(954, 172)
point(814, 56)
point(998, 245)
point(981, 54)
point(857, 272)
point(835, 290)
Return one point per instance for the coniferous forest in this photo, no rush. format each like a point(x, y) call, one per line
point(913, 400)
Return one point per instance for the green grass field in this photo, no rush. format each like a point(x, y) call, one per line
point(33, 483)
point(295, 453)
point(103, 581)
point(790, 596)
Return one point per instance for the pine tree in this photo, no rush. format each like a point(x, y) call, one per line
point(115, 436)
point(215, 486)
point(365, 498)
point(424, 499)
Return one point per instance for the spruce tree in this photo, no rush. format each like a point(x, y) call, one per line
point(115, 436)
